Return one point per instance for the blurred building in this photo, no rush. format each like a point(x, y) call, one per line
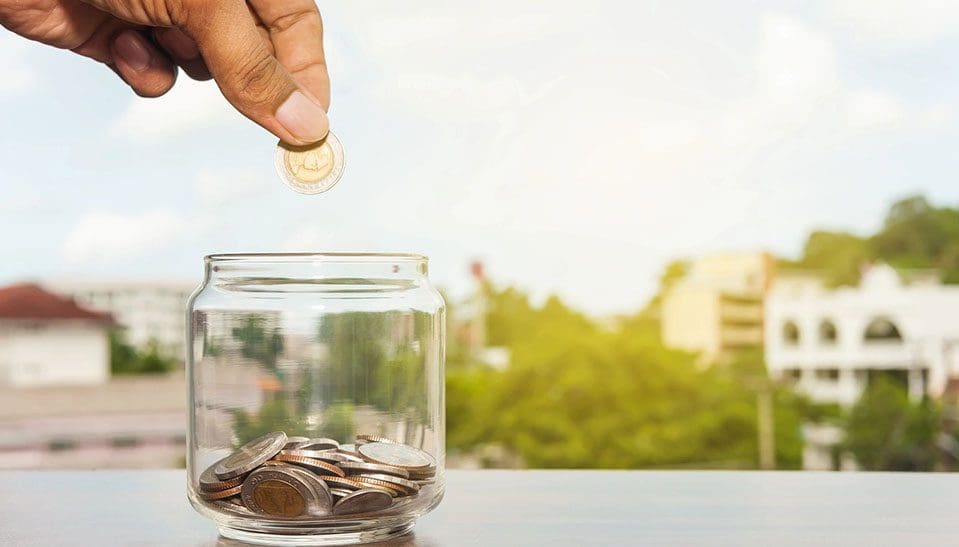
point(831, 343)
point(716, 309)
point(47, 339)
point(148, 310)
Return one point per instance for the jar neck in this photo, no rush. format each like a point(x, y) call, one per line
point(315, 266)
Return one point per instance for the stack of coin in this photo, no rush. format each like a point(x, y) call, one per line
point(301, 478)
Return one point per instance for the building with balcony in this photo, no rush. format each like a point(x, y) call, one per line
point(716, 309)
point(832, 343)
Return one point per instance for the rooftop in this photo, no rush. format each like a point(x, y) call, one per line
point(29, 302)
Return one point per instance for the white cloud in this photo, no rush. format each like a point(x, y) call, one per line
point(189, 106)
point(895, 23)
point(218, 188)
point(869, 108)
point(113, 236)
point(19, 77)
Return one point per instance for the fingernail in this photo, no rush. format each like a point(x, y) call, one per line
point(130, 47)
point(304, 119)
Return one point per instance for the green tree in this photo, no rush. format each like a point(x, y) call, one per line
point(887, 432)
point(839, 256)
point(258, 341)
point(577, 395)
point(126, 359)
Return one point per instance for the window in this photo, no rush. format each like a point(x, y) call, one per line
point(792, 374)
point(828, 335)
point(827, 374)
point(125, 441)
point(790, 333)
point(882, 330)
point(60, 445)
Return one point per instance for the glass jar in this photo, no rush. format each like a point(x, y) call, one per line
point(317, 396)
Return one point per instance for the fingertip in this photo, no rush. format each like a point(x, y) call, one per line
point(303, 118)
point(141, 65)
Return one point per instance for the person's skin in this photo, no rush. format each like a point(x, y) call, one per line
point(265, 55)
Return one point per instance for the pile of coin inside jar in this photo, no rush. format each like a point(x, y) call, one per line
point(302, 478)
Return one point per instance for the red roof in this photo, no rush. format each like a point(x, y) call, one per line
point(27, 301)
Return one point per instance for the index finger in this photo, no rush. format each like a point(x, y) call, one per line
point(296, 31)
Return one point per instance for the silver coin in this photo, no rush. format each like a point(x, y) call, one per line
point(278, 492)
point(340, 492)
point(408, 486)
point(302, 453)
point(250, 456)
point(322, 504)
point(230, 506)
point(423, 473)
point(363, 439)
point(424, 482)
point(363, 501)
point(348, 448)
point(356, 468)
point(397, 455)
point(311, 169)
point(295, 442)
point(210, 483)
point(321, 443)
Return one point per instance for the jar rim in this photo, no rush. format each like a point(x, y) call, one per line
point(292, 258)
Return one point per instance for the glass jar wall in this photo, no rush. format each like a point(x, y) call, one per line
point(317, 396)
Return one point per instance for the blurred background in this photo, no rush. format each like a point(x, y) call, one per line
point(681, 234)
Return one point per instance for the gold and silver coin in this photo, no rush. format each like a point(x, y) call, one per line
point(278, 492)
point(311, 169)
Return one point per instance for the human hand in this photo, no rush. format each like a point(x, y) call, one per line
point(265, 55)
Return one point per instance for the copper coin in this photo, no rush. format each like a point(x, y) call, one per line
point(363, 501)
point(407, 486)
point(365, 468)
point(342, 482)
point(210, 496)
point(367, 482)
point(397, 455)
point(313, 464)
point(249, 456)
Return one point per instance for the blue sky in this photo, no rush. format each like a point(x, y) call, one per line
point(574, 147)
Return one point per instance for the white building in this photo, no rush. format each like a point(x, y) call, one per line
point(48, 340)
point(149, 310)
point(831, 342)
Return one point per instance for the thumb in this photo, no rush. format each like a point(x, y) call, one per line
point(250, 77)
